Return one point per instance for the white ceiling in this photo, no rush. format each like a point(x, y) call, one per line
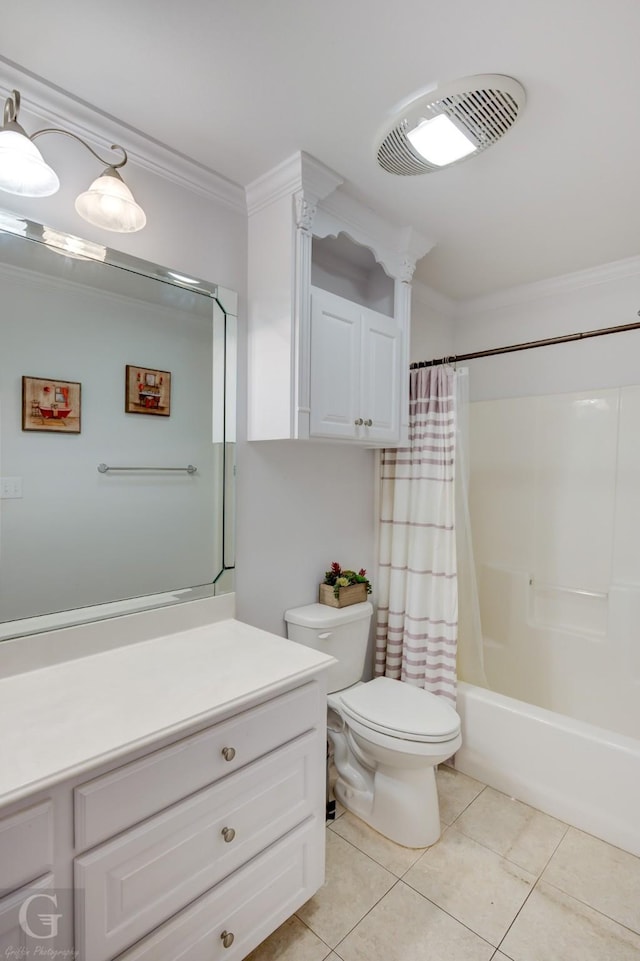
point(240, 85)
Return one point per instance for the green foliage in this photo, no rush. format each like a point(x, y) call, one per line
point(337, 578)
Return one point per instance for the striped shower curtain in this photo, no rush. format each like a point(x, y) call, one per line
point(417, 627)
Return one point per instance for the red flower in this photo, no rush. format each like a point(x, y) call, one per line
point(362, 572)
point(336, 569)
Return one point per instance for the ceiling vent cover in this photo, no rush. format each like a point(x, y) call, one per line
point(483, 108)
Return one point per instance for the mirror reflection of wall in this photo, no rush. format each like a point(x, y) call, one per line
point(70, 535)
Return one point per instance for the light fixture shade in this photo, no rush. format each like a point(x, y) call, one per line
point(108, 203)
point(23, 170)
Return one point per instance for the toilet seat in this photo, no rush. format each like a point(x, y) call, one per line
point(401, 711)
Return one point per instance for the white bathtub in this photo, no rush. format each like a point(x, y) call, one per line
point(582, 774)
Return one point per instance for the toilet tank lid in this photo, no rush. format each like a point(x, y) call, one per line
point(321, 616)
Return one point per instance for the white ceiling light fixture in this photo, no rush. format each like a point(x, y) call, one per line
point(451, 123)
point(108, 203)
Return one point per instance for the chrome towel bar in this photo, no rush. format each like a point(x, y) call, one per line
point(190, 469)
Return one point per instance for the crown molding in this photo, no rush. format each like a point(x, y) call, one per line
point(298, 172)
point(563, 284)
point(57, 108)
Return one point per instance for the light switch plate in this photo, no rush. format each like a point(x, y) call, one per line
point(10, 487)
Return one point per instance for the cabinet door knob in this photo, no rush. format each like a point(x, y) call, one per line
point(227, 939)
point(368, 423)
point(358, 422)
point(228, 753)
point(228, 834)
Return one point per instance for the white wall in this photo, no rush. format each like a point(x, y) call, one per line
point(605, 297)
point(432, 328)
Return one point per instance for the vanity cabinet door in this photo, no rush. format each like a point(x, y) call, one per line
point(246, 907)
point(15, 942)
point(128, 886)
point(26, 845)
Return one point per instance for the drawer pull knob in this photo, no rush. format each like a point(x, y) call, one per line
point(228, 753)
point(368, 423)
point(227, 939)
point(358, 422)
point(228, 834)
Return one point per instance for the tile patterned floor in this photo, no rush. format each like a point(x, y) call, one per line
point(504, 883)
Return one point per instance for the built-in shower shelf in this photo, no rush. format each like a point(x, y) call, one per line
point(562, 608)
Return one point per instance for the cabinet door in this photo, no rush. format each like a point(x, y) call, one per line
point(381, 377)
point(129, 885)
point(335, 365)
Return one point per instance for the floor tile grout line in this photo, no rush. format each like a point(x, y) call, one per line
point(504, 856)
point(468, 805)
point(448, 913)
point(315, 934)
point(591, 907)
point(366, 914)
point(517, 914)
point(535, 883)
point(371, 857)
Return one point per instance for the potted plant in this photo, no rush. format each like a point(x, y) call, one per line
point(343, 587)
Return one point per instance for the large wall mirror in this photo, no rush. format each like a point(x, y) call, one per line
point(117, 410)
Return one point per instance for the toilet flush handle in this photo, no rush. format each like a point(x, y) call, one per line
point(325, 636)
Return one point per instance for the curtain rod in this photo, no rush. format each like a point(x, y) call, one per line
point(529, 345)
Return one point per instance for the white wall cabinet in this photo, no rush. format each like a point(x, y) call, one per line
point(196, 847)
point(305, 381)
point(356, 374)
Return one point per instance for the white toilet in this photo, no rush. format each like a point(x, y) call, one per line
point(387, 736)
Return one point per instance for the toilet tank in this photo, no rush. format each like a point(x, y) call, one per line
point(341, 632)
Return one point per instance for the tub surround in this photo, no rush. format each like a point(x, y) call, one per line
point(173, 787)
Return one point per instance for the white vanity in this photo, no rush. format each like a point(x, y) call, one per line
point(168, 792)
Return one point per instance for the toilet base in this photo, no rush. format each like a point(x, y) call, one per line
point(403, 806)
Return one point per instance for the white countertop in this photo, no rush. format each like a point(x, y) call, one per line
point(62, 719)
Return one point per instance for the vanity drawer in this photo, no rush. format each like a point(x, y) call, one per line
point(26, 845)
point(128, 886)
point(249, 905)
point(15, 941)
point(109, 804)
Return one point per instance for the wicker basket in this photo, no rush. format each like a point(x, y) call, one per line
point(354, 594)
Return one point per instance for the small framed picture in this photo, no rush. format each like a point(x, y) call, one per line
point(51, 405)
point(147, 391)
